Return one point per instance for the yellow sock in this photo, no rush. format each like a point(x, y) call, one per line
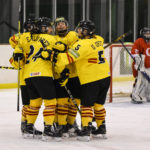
point(86, 115)
point(72, 111)
point(56, 115)
point(24, 112)
point(62, 110)
point(49, 111)
point(100, 113)
point(33, 110)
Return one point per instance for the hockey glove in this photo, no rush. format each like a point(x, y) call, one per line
point(17, 56)
point(64, 76)
point(60, 47)
point(54, 56)
point(137, 62)
point(46, 54)
point(49, 55)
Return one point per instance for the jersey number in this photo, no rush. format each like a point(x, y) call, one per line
point(31, 53)
point(100, 57)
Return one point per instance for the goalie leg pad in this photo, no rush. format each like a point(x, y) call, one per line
point(138, 92)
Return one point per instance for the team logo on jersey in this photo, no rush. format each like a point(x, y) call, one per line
point(148, 51)
point(35, 74)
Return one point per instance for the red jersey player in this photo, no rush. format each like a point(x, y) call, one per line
point(141, 53)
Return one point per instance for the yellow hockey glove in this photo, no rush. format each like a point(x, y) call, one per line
point(46, 54)
point(60, 47)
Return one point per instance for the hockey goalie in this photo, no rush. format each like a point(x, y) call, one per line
point(141, 54)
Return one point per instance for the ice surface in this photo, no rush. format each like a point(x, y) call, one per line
point(128, 128)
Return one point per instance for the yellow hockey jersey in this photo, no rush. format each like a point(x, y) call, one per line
point(90, 62)
point(36, 66)
point(16, 42)
point(69, 40)
point(13, 40)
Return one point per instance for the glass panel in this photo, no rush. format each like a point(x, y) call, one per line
point(46, 8)
point(99, 14)
point(38, 8)
point(8, 19)
point(71, 10)
point(30, 9)
point(78, 12)
point(62, 8)
point(98, 11)
point(142, 20)
point(122, 18)
point(128, 19)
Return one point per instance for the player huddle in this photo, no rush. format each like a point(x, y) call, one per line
point(53, 61)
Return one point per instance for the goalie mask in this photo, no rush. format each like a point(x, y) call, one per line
point(28, 25)
point(85, 28)
point(43, 24)
point(61, 26)
point(145, 33)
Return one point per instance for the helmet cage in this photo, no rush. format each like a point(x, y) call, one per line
point(28, 25)
point(43, 24)
point(87, 25)
point(145, 33)
point(61, 32)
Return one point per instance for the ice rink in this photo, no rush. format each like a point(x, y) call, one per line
point(128, 128)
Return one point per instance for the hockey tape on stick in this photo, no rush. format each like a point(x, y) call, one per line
point(119, 38)
point(5, 67)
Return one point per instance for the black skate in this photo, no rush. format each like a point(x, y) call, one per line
point(100, 132)
point(84, 134)
point(72, 130)
point(92, 127)
point(32, 132)
point(63, 131)
point(55, 126)
point(49, 134)
point(23, 126)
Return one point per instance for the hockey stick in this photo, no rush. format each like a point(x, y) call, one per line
point(119, 38)
point(73, 99)
point(5, 67)
point(143, 72)
point(18, 87)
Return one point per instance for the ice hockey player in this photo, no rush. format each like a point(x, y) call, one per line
point(141, 53)
point(39, 78)
point(14, 41)
point(66, 110)
point(94, 75)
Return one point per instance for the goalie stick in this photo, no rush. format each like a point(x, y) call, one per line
point(143, 72)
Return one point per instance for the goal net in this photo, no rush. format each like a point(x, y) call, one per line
point(121, 71)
